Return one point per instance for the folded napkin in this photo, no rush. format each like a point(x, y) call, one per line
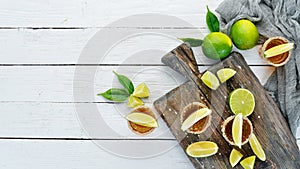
point(274, 18)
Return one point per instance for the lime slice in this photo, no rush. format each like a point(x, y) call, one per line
point(237, 130)
point(134, 101)
point(277, 50)
point(225, 74)
point(202, 149)
point(194, 118)
point(256, 148)
point(248, 163)
point(141, 91)
point(235, 157)
point(142, 119)
point(210, 80)
point(241, 101)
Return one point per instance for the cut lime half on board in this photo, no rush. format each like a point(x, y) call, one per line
point(241, 101)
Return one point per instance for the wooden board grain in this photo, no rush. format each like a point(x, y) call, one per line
point(270, 127)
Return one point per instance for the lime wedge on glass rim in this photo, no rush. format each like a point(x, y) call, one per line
point(194, 118)
point(237, 130)
point(241, 101)
point(202, 149)
point(210, 80)
point(235, 157)
point(142, 119)
point(277, 50)
point(225, 74)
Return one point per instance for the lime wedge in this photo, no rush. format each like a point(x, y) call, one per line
point(256, 148)
point(194, 118)
point(142, 119)
point(225, 74)
point(202, 149)
point(248, 163)
point(141, 91)
point(241, 101)
point(210, 80)
point(235, 157)
point(237, 130)
point(134, 101)
point(277, 50)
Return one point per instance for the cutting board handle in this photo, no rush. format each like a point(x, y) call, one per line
point(182, 60)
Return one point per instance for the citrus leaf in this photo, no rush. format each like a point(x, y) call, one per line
point(192, 41)
point(212, 21)
point(125, 82)
point(115, 94)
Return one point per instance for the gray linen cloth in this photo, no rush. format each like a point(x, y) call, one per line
point(274, 18)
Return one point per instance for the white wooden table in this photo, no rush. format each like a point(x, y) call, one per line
point(40, 45)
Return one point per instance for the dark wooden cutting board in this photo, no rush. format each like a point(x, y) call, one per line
point(270, 126)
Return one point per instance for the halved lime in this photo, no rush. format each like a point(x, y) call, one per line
point(134, 101)
point(235, 157)
point(210, 80)
point(241, 101)
point(256, 148)
point(142, 119)
point(141, 91)
point(202, 149)
point(248, 163)
point(237, 130)
point(194, 118)
point(225, 74)
point(279, 49)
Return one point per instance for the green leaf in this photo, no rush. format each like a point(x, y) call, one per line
point(212, 21)
point(115, 94)
point(192, 41)
point(125, 82)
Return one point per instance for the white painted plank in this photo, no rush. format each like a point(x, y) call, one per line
point(64, 46)
point(90, 13)
point(85, 154)
point(61, 120)
point(55, 83)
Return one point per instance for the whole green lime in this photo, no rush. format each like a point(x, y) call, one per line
point(216, 45)
point(244, 34)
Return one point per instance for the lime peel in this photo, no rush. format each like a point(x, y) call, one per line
point(142, 119)
point(195, 117)
point(279, 49)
